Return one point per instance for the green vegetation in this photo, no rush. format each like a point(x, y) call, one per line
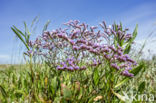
point(38, 81)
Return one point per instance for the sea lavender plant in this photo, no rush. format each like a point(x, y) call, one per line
point(70, 64)
point(102, 54)
point(81, 40)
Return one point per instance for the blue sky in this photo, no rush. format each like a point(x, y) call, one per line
point(14, 12)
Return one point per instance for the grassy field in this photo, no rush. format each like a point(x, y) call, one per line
point(16, 84)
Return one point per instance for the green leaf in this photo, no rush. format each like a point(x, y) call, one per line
point(34, 20)
point(128, 46)
point(121, 26)
point(138, 69)
point(116, 28)
point(46, 26)
point(141, 87)
point(127, 49)
point(3, 91)
point(135, 71)
point(96, 76)
point(67, 93)
point(19, 31)
point(115, 42)
point(122, 43)
point(19, 93)
point(54, 85)
point(27, 33)
point(20, 37)
point(91, 99)
point(26, 29)
point(135, 33)
point(121, 83)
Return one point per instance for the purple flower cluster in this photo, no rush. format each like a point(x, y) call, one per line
point(116, 31)
point(95, 62)
point(82, 40)
point(110, 53)
point(70, 65)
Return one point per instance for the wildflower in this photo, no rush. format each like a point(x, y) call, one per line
point(30, 44)
point(119, 48)
point(76, 31)
point(106, 50)
point(119, 32)
point(119, 27)
point(76, 22)
point(88, 48)
point(60, 35)
point(45, 34)
point(75, 48)
point(95, 46)
point(116, 56)
point(30, 53)
point(122, 58)
point(46, 45)
point(119, 52)
point(72, 42)
point(90, 43)
point(65, 66)
point(81, 41)
point(99, 62)
point(113, 32)
point(83, 46)
point(123, 65)
point(130, 60)
point(70, 68)
point(59, 68)
point(73, 36)
point(94, 63)
point(128, 68)
point(126, 73)
point(128, 36)
point(112, 48)
point(83, 68)
point(114, 65)
point(94, 51)
point(50, 47)
point(76, 67)
point(85, 41)
point(107, 56)
point(126, 56)
point(71, 63)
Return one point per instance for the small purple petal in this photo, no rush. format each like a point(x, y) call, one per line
point(115, 66)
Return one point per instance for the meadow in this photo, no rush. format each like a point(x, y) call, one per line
point(79, 64)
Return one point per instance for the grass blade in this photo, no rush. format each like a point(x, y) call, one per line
point(46, 26)
point(3, 91)
point(20, 37)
